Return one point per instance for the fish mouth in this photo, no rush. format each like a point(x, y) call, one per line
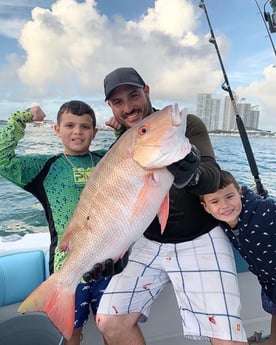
point(176, 115)
point(165, 142)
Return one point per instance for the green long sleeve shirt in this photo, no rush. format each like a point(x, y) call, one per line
point(56, 181)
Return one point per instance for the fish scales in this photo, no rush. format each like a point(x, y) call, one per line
point(123, 194)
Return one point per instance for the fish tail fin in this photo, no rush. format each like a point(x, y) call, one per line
point(57, 301)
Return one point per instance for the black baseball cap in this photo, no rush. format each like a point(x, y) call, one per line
point(121, 76)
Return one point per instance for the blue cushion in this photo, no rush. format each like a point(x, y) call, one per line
point(46, 263)
point(20, 274)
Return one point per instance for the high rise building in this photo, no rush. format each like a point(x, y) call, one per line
point(208, 110)
point(255, 117)
point(229, 118)
point(249, 115)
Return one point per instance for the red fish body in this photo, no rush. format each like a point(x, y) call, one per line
point(125, 191)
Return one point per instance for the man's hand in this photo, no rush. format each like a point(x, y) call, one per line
point(37, 113)
point(186, 171)
point(106, 269)
point(113, 123)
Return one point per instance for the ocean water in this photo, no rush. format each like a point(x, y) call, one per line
point(21, 213)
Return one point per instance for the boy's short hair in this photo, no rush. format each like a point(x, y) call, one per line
point(77, 108)
point(226, 178)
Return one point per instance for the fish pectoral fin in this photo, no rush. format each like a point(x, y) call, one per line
point(58, 302)
point(140, 202)
point(164, 213)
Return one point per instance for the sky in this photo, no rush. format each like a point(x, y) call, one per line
point(55, 51)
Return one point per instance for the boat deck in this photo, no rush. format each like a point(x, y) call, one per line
point(22, 268)
point(164, 325)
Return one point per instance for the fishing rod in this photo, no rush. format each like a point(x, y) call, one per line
point(226, 87)
point(267, 18)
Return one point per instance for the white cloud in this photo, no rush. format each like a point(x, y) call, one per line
point(60, 43)
point(73, 44)
point(70, 47)
point(170, 17)
point(11, 27)
point(263, 92)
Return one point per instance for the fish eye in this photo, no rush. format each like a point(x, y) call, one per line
point(142, 130)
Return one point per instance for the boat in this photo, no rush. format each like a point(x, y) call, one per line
point(24, 265)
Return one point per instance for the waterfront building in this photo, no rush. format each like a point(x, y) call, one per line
point(208, 109)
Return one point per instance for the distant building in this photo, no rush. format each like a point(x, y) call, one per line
point(249, 114)
point(208, 110)
point(254, 117)
point(229, 118)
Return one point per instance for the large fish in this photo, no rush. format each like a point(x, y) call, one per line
point(124, 192)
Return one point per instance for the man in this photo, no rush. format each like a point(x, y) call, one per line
point(193, 253)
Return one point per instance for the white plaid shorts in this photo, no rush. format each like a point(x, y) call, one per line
point(203, 274)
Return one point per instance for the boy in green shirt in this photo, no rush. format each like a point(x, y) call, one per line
point(57, 182)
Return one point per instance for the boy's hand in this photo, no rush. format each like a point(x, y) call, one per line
point(37, 113)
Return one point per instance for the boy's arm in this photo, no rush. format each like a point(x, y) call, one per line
point(11, 165)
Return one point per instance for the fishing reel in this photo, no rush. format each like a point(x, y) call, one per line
point(259, 189)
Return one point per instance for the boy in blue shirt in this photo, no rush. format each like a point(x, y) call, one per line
point(249, 221)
